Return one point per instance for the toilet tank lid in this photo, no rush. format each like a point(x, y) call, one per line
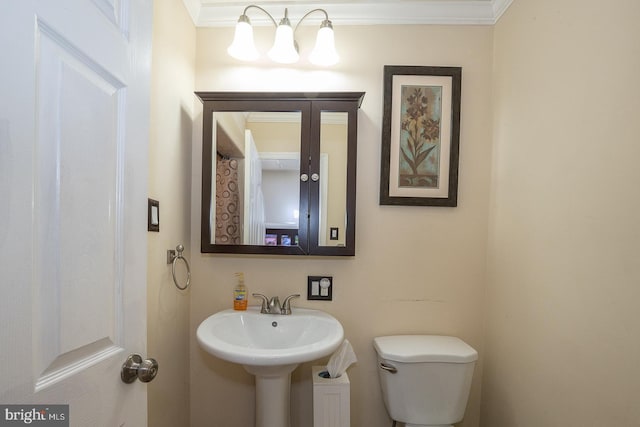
point(424, 348)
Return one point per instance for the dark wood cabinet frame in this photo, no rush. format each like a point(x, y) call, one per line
point(310, 105)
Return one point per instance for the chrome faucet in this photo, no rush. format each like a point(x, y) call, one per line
point(272, 306)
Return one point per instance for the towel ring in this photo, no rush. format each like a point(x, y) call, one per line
point(172, 258)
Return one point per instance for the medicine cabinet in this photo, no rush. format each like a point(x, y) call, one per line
point(279, 172)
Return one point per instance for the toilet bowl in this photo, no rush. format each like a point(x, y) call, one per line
point(425, 379)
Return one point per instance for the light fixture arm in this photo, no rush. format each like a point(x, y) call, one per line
point(244, 13)
point(325, 23)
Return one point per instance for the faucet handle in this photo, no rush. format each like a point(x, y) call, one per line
point(286, 305)
point(265, 302)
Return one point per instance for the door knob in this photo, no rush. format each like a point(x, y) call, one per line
point(135, 367)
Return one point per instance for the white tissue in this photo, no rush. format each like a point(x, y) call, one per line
point(341, 360)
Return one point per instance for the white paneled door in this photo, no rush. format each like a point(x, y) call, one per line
point(74, 93)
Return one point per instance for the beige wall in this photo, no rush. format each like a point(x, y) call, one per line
point(562, 328)
point(416, 269)
point(560, 334)
point(172, 105)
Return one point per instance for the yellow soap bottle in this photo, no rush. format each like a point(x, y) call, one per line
point(240, 294)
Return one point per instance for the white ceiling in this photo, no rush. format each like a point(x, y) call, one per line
point(222, 13)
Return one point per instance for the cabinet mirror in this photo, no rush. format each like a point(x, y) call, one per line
point(279, 172)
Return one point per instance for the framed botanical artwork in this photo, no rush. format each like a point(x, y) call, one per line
point(420, 136)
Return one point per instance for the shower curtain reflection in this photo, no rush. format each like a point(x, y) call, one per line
point(227, 229)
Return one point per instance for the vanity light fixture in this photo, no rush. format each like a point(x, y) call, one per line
point(285, 48)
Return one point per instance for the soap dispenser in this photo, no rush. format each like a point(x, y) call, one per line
point(240, 293)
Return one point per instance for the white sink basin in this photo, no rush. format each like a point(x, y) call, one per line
point(254, 339)
point(270, 346)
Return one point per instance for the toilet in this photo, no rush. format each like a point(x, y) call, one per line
point(425, 379)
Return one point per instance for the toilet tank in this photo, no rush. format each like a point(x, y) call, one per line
point(425, 379)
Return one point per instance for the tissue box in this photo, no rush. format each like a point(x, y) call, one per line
point(331, 399)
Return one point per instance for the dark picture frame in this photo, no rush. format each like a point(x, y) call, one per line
point(420, 136)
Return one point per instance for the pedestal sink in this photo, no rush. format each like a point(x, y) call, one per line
point(270, 346)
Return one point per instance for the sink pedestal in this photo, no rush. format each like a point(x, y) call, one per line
point(273, 401)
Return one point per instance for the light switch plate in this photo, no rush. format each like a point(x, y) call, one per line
point(153, 215)
point(320, 288)
point(333, 233)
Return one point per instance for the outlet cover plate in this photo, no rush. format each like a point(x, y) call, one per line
point(320, 288)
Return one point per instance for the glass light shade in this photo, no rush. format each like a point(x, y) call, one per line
point(324, 53)
point(243, 47)
point(284, 50)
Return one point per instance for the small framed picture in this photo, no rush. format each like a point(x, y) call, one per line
point(420, 136)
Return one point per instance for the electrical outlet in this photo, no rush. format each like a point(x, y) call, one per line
point(320, 288)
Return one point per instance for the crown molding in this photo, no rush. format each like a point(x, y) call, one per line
point(225, 13)
point(500, 7)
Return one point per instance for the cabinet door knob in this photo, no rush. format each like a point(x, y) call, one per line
point(304, 177)
point(315, 177)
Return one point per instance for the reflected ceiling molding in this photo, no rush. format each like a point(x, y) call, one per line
point(224, 13)
point(273, 117)
point(328, 117)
